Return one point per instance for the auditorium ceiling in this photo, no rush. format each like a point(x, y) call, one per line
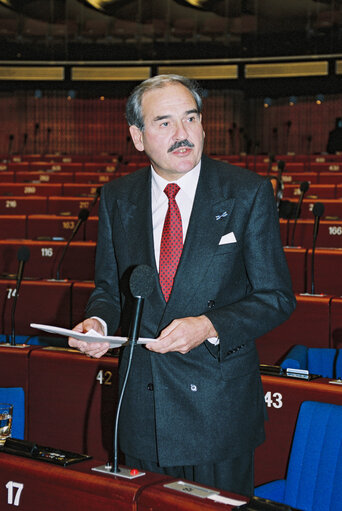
point(168, 29)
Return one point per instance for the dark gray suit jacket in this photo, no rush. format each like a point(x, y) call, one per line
point(206, 405)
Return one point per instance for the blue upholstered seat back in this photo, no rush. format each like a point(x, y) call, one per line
point(314, 478)
point(326, 362)
point(321, 361)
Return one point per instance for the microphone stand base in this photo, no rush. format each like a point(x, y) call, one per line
point(125, 472)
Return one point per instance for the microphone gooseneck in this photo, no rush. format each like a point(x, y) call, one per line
point(304, 186)
point(23, 256)
point(318, 211)
point(82, 217)
point(95, 199)
point(141, 283)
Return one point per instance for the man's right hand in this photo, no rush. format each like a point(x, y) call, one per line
point(92, 349)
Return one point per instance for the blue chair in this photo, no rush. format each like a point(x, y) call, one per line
point(322, 361)
point(16, 397)
point(314, 475)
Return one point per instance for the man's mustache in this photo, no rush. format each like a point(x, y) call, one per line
point(180, 143)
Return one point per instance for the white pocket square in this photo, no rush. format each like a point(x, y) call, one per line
point(228, 238)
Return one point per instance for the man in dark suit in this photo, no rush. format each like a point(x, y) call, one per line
point(194, 405)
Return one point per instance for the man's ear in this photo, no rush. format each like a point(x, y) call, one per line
point(137, 137)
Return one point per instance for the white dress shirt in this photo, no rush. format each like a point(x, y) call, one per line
point(184, 198)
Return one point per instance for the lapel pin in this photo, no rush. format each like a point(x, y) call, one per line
point(218, 217)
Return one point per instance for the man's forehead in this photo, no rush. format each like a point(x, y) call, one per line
point(165, 97)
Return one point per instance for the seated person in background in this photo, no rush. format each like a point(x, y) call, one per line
point(335, 138)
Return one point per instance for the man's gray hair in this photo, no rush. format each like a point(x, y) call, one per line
point(134, 114)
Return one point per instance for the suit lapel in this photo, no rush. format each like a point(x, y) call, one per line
point(136, 217)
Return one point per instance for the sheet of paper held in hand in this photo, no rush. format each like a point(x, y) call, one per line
point(90, 336)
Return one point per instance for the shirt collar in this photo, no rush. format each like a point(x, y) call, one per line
point(188, 182)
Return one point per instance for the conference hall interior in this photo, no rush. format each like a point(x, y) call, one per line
point(270, 73)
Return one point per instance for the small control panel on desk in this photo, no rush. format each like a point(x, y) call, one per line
point(300, 374)
point(42, 453)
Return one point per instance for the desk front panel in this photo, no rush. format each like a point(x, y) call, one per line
point(73, 401)
point(45, 257)
point(38, 302)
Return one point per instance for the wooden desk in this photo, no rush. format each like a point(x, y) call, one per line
point(30, 485)
point(72, 401)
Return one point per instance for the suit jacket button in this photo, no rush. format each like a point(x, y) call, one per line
point(211, 304)
point(150, 386)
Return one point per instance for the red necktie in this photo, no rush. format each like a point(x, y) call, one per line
point(171, 242)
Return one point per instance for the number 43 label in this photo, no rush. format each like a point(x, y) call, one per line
point(273, 399)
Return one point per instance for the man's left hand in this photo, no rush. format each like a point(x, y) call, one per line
point(183, 335)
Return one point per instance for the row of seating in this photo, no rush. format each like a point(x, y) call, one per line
point(27, 166)
point(326, 362)
point(295, 158)
point(316, 322)
point(46, 253)
point(50, 302)
point(95, 157)
point(329, 233)
point(327, 270)
point(64, 158)
point(89, 166)
point(311, 177)
point(45, 259)
point(69, 157)
point(83, 422)
point(58, 177)
point(56, 205)
point(316, 191)
point(47, 189)
point(48, 227)
point(28, 183)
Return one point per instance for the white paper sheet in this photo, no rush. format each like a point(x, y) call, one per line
point(113, 341)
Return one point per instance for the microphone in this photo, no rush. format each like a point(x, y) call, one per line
point(24, 143)
point(278, 191)
point(95, 199)
point(141, 283)
point(82, 217)
point(304, 186)
point(23, 256)
point(271, 159)
point(47, 143)
point(318, 211)
point(286, 212)
point(36, 129)
point(10, 143)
